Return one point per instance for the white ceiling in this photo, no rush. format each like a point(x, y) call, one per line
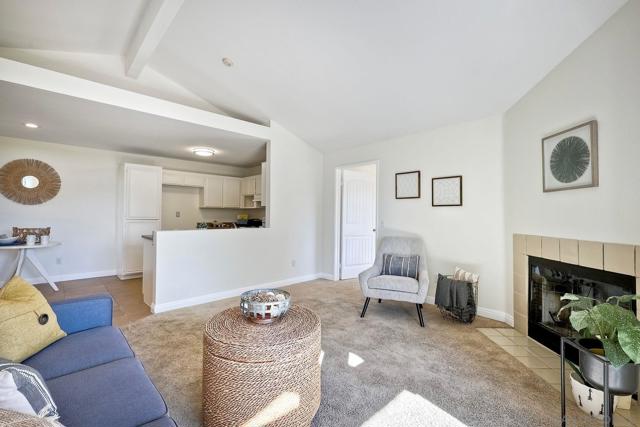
point(102, 26)
point(68, 120)
point(336, 73)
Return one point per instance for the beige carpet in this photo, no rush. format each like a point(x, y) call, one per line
point(383, 370)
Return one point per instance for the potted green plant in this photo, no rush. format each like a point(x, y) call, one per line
point(610, 331)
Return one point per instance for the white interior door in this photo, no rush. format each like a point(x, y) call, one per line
point(358, 222)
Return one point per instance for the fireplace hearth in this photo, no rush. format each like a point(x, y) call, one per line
point(549, 280)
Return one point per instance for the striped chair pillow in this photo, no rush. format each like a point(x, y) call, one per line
point(400, 265)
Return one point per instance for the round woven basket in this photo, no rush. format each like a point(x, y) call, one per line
point(261, 375)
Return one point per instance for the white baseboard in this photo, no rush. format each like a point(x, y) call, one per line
point(489, 313)
point(327, 276)
point(215, 296)
point(71, 276)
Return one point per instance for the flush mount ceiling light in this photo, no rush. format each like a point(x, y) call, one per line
point(31, 125)
point(227, 61)
point(203, 151)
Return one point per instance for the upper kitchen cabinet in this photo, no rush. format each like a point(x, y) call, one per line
point(231, 192)
point(264, 187)
point(183, 179)
point(212, 193)
point(249, 185)
point(142, 191)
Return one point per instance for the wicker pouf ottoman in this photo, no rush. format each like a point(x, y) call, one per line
point(261, 375)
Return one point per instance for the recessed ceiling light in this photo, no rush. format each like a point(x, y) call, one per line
point(227, 61)
point(31, 125)
point(203, 151)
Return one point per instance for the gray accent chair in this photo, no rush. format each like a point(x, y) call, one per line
point(396, 288)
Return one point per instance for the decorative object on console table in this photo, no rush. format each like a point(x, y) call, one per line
point(446, 191)
point(408, 185)
point(248, 366)
point(570, 158)
point(29, 181)
point(21, 233)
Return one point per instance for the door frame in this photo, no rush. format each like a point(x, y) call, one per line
point(337, 219)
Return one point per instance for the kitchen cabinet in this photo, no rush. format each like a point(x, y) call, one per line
point(249, 186)
point(183, 179)
point(258, 185)
point(133, 244)
point(143, 191)
point(264, 192)
point(212, 193)
point(231, 192)
point(139, 212)
point(219, 191)
point(172, 177)
point(194, 180)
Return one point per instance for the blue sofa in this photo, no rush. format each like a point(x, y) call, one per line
point(92, 373)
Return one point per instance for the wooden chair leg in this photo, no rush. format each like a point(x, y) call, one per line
point(364, 309)
point(420, 315)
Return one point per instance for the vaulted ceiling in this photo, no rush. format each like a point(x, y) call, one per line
point(336, 73)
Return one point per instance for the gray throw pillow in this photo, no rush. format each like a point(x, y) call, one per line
point(400, 265)
point(22, 389)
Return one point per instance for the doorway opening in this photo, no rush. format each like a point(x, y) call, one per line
point(356, 218)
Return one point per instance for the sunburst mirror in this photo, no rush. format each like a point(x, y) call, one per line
point(29, 181)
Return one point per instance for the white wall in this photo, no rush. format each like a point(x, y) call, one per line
point(599, 80)
point(197, 266)
point(471, 236)
point(186, 200)
point(83, 214)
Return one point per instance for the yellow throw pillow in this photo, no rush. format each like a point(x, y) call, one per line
point(27, 321)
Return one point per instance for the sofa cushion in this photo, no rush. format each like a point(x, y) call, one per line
point(27, 321)
point(161, 422)
point(79, 351)
point(116, 394)
point(394, 283)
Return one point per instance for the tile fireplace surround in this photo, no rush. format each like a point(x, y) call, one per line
point(617, 258)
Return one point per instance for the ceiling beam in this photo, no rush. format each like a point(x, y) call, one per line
point(41, 78)
point(154, 23)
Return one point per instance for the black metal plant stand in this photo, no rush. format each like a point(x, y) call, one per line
point(608, 397)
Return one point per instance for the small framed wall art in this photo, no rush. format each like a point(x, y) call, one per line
point(570, 158)
point(446, 191)
point(408, 185)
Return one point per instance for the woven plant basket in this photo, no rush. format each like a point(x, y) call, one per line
point(261, 375)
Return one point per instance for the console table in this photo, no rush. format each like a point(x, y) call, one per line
point(26, 252)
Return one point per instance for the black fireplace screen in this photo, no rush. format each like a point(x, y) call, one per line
point(550, 280)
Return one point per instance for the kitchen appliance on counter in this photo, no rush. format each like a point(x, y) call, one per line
point(215, 225)
point(249, 223)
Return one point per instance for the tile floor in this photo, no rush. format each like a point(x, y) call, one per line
point(128, 304)
point(546, 364)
